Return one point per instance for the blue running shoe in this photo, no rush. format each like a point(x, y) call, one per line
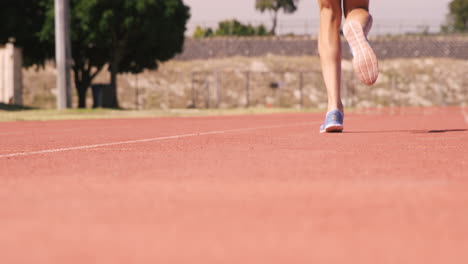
point(333, 122)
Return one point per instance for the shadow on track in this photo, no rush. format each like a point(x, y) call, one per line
point(410, 131)
point(10, 107)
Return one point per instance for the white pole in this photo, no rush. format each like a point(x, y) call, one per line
point(62, 53)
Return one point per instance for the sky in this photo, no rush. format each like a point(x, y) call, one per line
point(387, 13)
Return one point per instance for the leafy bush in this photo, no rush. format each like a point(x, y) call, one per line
point(201, 32)
point(231, 28)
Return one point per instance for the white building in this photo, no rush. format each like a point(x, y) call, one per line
point(11, 80)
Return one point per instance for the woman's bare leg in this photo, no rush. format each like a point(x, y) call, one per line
point(357, 10)
point(329, 45)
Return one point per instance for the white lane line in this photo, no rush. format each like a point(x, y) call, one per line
point(150, 140)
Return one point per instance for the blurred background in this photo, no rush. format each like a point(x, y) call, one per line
point(393, 17)
point(173, 54)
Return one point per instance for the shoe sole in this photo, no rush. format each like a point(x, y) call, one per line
point(332, 129)
point(366, 65)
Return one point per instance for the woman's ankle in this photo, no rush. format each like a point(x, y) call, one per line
point(334, 107)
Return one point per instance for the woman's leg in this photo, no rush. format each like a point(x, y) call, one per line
point(357, 10)
point(329, 45)
point(356, 27)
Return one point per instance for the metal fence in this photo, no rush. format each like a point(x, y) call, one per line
point(289, 89)
point(450, 46)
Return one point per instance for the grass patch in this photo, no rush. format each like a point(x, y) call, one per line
point(81, 114)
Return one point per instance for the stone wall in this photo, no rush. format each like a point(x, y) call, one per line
point(270, 81)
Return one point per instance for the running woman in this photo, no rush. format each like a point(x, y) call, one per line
point(357, 25)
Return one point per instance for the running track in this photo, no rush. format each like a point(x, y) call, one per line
point(237, 189)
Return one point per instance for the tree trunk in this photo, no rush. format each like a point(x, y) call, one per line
point(83, 79)
point(275, 22)
point(113, 100)
point(82, 95)
point(81, 83)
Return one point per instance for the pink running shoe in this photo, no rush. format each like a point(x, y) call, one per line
point(365, 61)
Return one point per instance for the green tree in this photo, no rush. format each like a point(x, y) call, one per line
point(458, 15)
point(262, 31)
point(201, 32)
point(234, 28)
point(273, 7)
point(127, 35)
point(21, 21)
point(231, 27)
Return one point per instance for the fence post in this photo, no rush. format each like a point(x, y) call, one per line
point(137, 104)
point(394, 94)
point(217, 90)
point(247, 89)
point(194, 104)
point(207, 93)
point(301, 88)
point(168, 94)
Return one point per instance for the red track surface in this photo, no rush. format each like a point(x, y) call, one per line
point(393, 189)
